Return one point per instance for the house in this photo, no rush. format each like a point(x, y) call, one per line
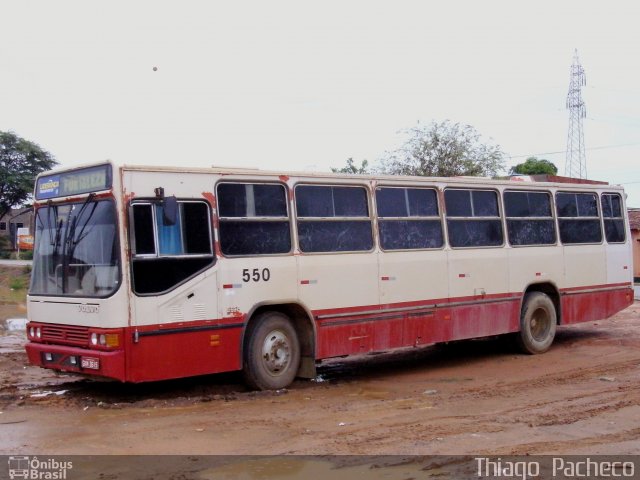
point(634, 224)
point(16, 218)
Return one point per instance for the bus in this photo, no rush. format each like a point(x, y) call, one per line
point(151, 273)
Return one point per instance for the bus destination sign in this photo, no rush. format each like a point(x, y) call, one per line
point(75, 182)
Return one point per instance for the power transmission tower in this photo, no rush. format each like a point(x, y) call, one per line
point(576, 161)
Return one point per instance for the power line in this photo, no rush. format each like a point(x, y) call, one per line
point(602, 147)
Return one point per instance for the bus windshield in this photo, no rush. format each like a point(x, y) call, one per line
point(76, 250)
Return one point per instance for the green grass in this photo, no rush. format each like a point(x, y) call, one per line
point(14, 282)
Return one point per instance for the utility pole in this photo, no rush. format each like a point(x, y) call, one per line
point(576, 161)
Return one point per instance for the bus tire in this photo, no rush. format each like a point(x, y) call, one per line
point(272, 352)
point(537, 323)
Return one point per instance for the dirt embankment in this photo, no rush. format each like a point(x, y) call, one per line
point(583, 396)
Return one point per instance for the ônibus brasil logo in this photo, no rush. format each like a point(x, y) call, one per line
point(33, 468)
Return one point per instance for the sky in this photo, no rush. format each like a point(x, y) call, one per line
point(296, 85)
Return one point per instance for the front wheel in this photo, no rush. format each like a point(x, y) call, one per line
point(272, 352)
point(537, 323)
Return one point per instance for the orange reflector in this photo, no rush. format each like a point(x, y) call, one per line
point(112, 339)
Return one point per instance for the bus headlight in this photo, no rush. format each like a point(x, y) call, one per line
point(38, 333)
point(32, 332)
point(106, 340)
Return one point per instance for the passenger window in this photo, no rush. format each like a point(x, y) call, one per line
point(473, 218)
point(408, 218)
point(614, 230)
point(144, 242)
point(578, 218)
point(333, 219)
point(166, 255)
point(529, 218)
point(254, 219)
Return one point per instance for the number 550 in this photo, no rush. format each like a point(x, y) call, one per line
point(256, 275)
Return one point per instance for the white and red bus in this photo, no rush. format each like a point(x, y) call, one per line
point(151, 273)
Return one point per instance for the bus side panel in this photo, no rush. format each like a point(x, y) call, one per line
point(162, 354)
point(349, 336)
point(353, 335)
point(619, 262)
point(590, 306)
point(412, 276)
point(427, 329)
point(356, 334)
point(585, 265)
point(485, 319)
point(535, 265)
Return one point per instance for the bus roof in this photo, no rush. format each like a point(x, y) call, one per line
point(514, 180)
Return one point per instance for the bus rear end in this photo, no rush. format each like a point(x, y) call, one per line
point(77, 308)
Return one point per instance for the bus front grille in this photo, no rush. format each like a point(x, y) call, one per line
point(65, 334)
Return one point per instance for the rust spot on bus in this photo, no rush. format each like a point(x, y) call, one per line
point(211, 198)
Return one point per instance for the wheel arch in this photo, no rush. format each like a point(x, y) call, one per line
point(551, 291)
point(302, 321)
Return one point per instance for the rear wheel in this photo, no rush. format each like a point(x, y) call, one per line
point(271, 353)
point(537, 323)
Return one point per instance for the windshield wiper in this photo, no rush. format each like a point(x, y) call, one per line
point(56, 242)
point(54, 235)
point(72, 241)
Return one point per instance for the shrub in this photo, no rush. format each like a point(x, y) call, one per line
point(17, 284)
point(26, 255)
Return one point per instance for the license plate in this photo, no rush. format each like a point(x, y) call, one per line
point(89, 362)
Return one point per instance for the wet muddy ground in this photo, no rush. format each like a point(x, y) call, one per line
point(474, 397)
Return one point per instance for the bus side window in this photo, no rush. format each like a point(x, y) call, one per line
point(473, 218)
point(613, 219)
point(144, 243)
point(408, 218)
point(166, 255)
point(253, 219)
point(529, 218)
point(578, 217)
point(333, 219)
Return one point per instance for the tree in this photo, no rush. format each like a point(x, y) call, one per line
point(535, 166)
point(20, 162)
point(352, 168)
point(444, 149)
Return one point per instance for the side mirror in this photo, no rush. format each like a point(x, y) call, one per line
point(169, 210)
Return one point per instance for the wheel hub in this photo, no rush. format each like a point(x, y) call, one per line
point(540, 324)
point(276, 352)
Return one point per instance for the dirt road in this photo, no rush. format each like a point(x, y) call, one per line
point(583, 396)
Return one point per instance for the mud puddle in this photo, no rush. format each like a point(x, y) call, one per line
point(583, 396)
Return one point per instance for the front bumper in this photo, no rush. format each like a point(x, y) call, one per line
point(109, 364)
